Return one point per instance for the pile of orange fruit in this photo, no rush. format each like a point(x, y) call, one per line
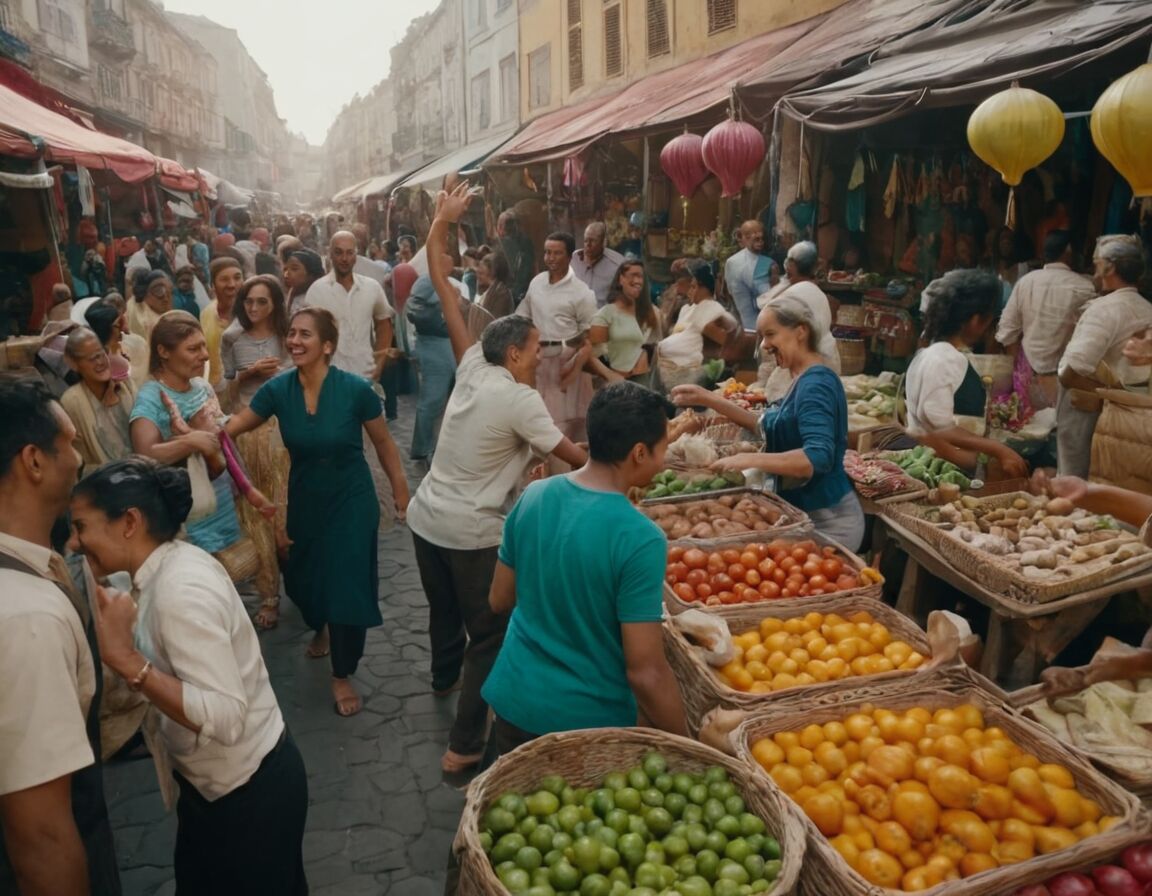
point(911, 799)
point(812, 649)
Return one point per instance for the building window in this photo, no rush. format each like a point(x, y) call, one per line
point(480, 14)
point(482, 99)
point(575, 46)
point(540, 77)
point(613, 49)
point(658, 41)
point(721, 15)
point(509, 101)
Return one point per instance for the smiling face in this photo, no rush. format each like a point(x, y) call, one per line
point(91, 362)
point(226, 284)
point(556, 258)
point(101, 540)
point(522, 362)
point(342, 251)
point(632, 281)
point(785, 344)
point(258, 303)
point(304, 343)
point(187, 359)
point(59, 467)
point(159, 296)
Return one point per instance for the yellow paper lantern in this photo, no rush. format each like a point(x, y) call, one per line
point(1122, 127)
point(1015, 130)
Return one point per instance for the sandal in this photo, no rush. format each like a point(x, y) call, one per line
point(268, 616)
point(349, 704)
point(318, 647)
point(453, 763)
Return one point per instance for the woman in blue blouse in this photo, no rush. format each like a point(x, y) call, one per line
point(805, 433)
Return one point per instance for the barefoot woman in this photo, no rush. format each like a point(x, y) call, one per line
point(333, 514)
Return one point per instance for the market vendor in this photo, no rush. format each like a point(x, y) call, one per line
point(945, 396)
point(800, 283)
point(806, 432)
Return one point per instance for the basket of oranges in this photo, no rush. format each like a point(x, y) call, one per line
point(936, 786)
point(782, 653)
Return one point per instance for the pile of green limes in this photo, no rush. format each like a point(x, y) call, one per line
point(646, 831)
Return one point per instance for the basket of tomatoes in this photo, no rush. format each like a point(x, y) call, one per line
point(935, 785)
point(782, 653)
point(722, 575)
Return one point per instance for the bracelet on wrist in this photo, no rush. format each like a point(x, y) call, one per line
point(138, 681)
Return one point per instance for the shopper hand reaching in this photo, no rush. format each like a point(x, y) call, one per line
point(450, 207)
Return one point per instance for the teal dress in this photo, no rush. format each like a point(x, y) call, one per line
point(333, 514)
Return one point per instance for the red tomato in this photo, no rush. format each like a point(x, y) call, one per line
point(749, 559)
point(696, 577)
point(762, 551)
point(737, 570)
point(722, 582)
point(731, 555)
point(779, 575)
point(679, 570)
point(726, 597)
point(703, 590)
point(685, 592)
point(670, 579)
point(790, 591)
point(829, 551)
point(797, 580)
point(799, 554)
point(815, 592)
point(809, 546)
point(817, 581)
point(713, 601)
point(752, 578)
point(831, 567)
point(778, 554)
point(715, 564)
point(846, 582)
point(675, 553)
point(769, 590)
point(788, 564)
point(738, 590)
point(766, 568)
point(810, 568)
point(694, 558)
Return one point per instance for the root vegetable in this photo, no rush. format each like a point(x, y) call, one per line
point(702, 530)
point(680, 529)
point(1112, 880)
point(1138, 861)
point(1040, 559)
point(1060, 506)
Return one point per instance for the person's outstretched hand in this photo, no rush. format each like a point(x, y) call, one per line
point(450, 207)
point(1071, 487)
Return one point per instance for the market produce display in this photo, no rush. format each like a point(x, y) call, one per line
point(871, 399)
point(1043, 537)
point(717, 517)
point(748, 396)
point(922, 463)
point(761, 571)
point(670, 483)
point(877, 478)
point(813, 649)
point(645, 830)
point(702, 449)
point(913, 798)
point(1130, 875)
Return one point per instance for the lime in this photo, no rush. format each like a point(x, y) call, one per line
point(652, 797)
point(543, 803)
point(609, 859)
point(675, 803)
point(636, 825)
point(554, 784)
point(754, 865)
point(527, 825)
point(615, 781)
point(499, 821)
point(734, 804)
point(707, 863)
point(674, 847)
point(619, 887)
point(694, 886)
point(714, 811)
point(620, 874)
point(517, 880)
point(721, 790)
point(771, 848)
point(513, 803)
point(692, 814)
point(737, 850)
point(631, 848)
point(750, 824)
point(698, 794)
point(486, 841)
point(617, 820)
point(568, 817)
point(561, 840)
point(725, 887)
point(593, 825)
point(529, 858)
point(563, 876)
point(745, 890)
point(541, 838)
point(756, 841)
point(772, 869)
point(507, 846)
point(716, 841)
point(667, 875)
point(682, 783)
point(654, 853)
point(760, 885)
point(685, 866)
point(606, 835)
point(648, 875)
point(602, 801)
point(715, 774)
point(628, 799)
point(595, 885)
point(728, 825)
point(641, 891)
point(586, 854)
point(553, 856)
point(659, 821)
point(540, 890)
point(637, 779)
point(733, 871)
point(663, 783)
point(696, 835)
point(654, 764)
point(569, 797)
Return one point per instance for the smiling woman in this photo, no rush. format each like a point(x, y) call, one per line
point(98, 405)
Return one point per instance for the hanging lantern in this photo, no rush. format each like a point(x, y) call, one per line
point(1015, 130)
point(1122, 127)
point(683, 162)
point(732, 151)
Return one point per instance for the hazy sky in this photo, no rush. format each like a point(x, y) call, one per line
point(317, 55)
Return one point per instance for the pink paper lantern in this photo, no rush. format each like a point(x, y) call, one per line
point(683, 162)
point(732, 151)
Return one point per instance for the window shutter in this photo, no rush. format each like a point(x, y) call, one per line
point(721, 15)
point(575, 58)
point(613, 51)
point(658, 42)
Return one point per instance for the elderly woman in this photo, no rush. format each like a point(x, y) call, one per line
point(185, 644)
point(492, 278)
point(127, 352)
point(946, 397)
point(681, 353)
point(152, 296)
point(800, 283)
point(98, 405)
point(806, 432)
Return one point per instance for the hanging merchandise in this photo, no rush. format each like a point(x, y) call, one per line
point(854, 202)
point(85, 192)
point(682, 159)
point(1015, 130)
point(1122, 127)
point(733, 150)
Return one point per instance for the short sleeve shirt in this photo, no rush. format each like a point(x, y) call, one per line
point(356, 311)
point(933, 377)
point(586, 562)
point(560, 310)
point(626, 338)
point(493, 427)
point(1104, 326)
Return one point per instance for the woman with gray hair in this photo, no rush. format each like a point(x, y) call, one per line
point(800, 283)
point(806, 432)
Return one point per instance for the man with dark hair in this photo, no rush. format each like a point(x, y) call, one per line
point(582, 573)
point(562, 307)
point(517, 248)
point(494, 425)
point(1041, 314)
point(56, 835)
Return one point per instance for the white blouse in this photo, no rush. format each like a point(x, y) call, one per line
point(192, 625)
point(933, 377)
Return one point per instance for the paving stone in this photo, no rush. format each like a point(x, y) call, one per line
point(404, 813)
point(373, 850)
point(356, 885)
point(417, 885)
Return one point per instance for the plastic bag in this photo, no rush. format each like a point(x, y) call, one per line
point(710, 633)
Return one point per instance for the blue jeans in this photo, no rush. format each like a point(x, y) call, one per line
point(437, 374)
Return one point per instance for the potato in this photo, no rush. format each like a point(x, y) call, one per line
point(703, 530)
point(680, 529)
point(761, 526)
point(1060, 506)
point(727, 500)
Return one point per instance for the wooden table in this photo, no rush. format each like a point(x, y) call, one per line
point(1022, 638)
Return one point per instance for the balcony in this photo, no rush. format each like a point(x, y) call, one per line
point(112, 34)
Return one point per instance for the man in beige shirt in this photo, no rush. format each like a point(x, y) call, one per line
point(56, 836)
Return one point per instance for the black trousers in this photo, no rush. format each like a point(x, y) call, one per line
point(465, 634)
point(347, 645)
point(249, 841)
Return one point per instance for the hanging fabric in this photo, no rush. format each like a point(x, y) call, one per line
point(86, 192)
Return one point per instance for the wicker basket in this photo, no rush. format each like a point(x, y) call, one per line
point(827, 874)
point(1139, 784)
point(583, 758)
point(702, 688)
point(789, 606)
point(792, 519)
point(853, 355)
point(850, 316)
point(1003, 576)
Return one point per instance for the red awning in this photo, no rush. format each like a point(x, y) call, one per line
point(28, 130)
point(667, 98)
point(175, 176)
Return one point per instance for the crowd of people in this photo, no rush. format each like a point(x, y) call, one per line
point(227, 426)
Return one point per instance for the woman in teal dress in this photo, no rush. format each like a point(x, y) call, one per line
point(333, 514)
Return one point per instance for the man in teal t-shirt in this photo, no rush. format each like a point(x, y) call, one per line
point(584, 572)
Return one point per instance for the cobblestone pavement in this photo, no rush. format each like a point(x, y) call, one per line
point(382, 815)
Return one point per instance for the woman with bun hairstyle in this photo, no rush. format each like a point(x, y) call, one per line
point(333, 514)
point(186, 644)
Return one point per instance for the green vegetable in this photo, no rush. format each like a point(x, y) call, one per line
point(917, 471)
point(659, 491)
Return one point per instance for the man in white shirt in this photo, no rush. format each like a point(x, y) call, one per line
point(56, 836)
point(1042, 310)
point(494, 425)
point(750, 273)
point(562, 307)
point(595, 264)
point(1094, 357)
point(361, 309)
